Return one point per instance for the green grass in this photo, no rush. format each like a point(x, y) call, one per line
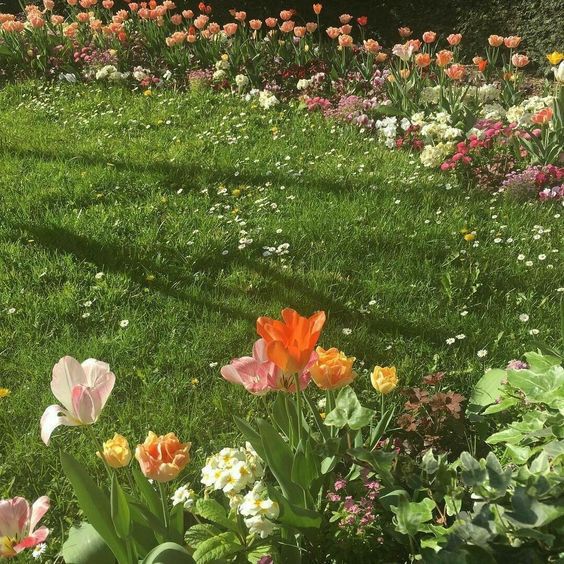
point(146, 191)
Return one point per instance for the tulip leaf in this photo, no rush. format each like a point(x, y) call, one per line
point(121, 516)
point(168, 553)
point(147, 518)
point(250, 435)
point(280, 415)
point(279, 458)
point(148, 493)
point(292, 515)
point(85, 546)
point(94, 503)
point(176, 525)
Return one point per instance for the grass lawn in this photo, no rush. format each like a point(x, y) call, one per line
point(133, 229)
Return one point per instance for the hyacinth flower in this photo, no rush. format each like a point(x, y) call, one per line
point(17, 525)
point(82, 389)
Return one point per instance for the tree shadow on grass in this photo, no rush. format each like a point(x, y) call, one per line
point(175, 280)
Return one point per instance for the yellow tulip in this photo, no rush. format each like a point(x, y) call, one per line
point(555, 57)
point(333, 369)
point(384, 379)
point(116, 451)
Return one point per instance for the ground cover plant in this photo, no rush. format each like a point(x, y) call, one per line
point(267, 291)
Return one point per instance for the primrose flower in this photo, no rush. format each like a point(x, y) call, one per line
point(83, 389)
point(17, 525)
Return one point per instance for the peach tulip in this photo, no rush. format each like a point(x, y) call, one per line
point(230, 29)
point(286, 15)
point(495, 40)
point(345, 40)
point(404, 31)
point(333, 32)
point(429, 37)
point(317, 8)
point(287, 26)
point(300, 31)
point(311, 27)
point(57, 20)
point(201, 21)
point(290, 343)
point(345, 18)
point(520, 61)
point(83, 389)
point(187, 14)
point(512, 42)
point(255, 24)
point(346, 29)
point(456, 72)
point(454, 39)
point(48, 4)
point(381, 57)
point(371, 46)
point(17, 525)
point(162, 458)
point(271, 22)
point(240, 16)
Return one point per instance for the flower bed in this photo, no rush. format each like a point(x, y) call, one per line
point(481, 120)
point(332, 481)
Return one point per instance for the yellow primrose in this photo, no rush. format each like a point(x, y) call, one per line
point(225, 57)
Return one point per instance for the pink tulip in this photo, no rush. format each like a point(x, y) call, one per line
point(258, 375)
point(83, 389)
point(17, 525)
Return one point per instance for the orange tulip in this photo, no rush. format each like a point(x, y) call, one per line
point(422, 60)
point(454, 38)
point(481, 63)
point(333, 369)
point(456, 72)
point(429, 37)
point(543, 116)
point(289, 343)
point(444, 57)
point(317, 8)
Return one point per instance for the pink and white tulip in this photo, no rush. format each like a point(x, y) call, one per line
point(82, 389)
point(17, 525)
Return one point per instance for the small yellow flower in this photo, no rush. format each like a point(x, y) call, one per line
point(148, 92)
point(4, 392)
point(225, 57)
point(194, 381)
point(116, 451)
point(470, 236)
point(384, 379)
point(150, 278)
point(236, 192)
point(322, 415)
point(555, 57)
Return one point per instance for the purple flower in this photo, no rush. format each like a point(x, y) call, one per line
point(516, 365)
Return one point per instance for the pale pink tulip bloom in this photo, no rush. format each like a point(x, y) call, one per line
point(17, 525)
point(83, 389)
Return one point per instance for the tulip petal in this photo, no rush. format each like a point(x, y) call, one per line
point(67, 374)
point(14, 514)
point(51, 419)
point(84, 404)
point(38, 509)
point(94, 369)
point(102, 389)
point(37, 537)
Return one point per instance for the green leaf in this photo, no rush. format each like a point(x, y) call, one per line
point(217, 548)
point(453, 505)
point(176, 523)
point(348, 411)
point(142, 515)
point(410, 515)
point(504, 404)
point(255, 554)
point(499, 479)
point(94, 503)
point(279, 458)
point(250, 435)
point(530, 513)
point(511, 436)
point(121, 516)
point(85, 546)
point(473, 473)
point(518, 454)
point(213, 511)
point(488, 388)
point(540, 363)
point(292, 515)
point(548, 389)
point(280, 415)
point(200, 532)
point(168, 553)
point(148, 493)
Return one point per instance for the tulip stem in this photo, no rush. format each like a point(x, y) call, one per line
point(162, 491)
point(298, 406)
point(101, 451)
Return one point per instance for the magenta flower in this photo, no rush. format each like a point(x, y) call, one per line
point(17, 525)
point(83, 389)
